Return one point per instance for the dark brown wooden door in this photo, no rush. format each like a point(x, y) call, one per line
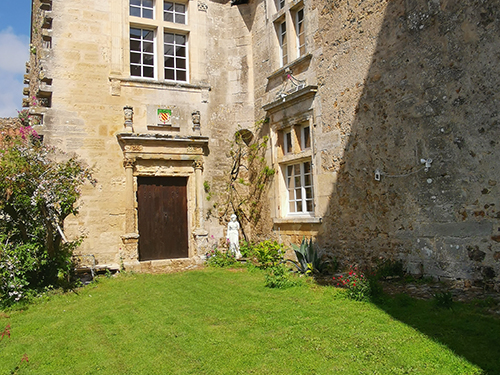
point(162, 210)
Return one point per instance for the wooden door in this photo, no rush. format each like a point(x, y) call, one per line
point(162, 211)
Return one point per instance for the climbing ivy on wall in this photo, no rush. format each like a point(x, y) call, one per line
point(247, 181)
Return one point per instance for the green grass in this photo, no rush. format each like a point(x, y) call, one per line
point(226, 322)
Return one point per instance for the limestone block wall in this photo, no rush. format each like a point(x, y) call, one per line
point(88, 62)
point(402, 81)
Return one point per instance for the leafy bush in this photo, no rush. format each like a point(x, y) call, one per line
point(39, 188)
point(278, 276)
point(217, 258)
point(309, 258)
point(444, 300)
point(357, 285)
point(268, 254)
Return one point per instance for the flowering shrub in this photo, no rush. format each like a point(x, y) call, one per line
point(279, 276)
point(357, 284)
point(268, 253)
point(218, 258)
point(39, 188)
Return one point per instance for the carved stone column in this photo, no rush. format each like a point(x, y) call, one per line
point(129, 163)
point(200, 233)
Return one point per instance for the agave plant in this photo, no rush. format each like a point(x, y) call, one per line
point(309, 258)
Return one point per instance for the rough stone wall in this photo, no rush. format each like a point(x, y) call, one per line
point(402, 81)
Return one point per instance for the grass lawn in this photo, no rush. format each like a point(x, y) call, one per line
point(216, 321)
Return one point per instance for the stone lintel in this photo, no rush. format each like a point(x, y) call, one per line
point(291, 99)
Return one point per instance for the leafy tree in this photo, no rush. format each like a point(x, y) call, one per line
point(39, 188)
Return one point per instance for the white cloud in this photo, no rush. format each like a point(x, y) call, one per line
point(14, 52)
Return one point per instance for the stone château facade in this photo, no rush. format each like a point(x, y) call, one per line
point(382, 120)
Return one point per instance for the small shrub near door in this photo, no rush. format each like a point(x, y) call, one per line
point(356, 283)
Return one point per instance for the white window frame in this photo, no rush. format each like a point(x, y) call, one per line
point(175, 14)
point(300, 33)
point(176, 58)
point(142, 53)
point(281, 4)
point(303, 132)
point(282, 36)
point(142, 8)
point(300, 188)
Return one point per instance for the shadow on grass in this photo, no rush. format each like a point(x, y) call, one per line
point(464, 329)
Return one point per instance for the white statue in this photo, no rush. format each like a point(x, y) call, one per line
point(233, 231)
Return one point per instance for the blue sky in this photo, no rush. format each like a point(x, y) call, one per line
point(14, 52)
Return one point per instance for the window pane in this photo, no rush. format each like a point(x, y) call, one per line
point(148, 60)
point(135, 70)
point(169, 74)
point(292, 207)
point(180, 39)
point(135, 2)
point(296, 169)
point(307, 180)
point(309, 193)
point(169, 50)
point(180, 8)
point(148, 34)
point(136, 12)
point(298, 193)
point(307, 167)
point(168, 6)
point(147, 13)
point(181, 63)
point(309, 206)
point(135, 45)
point(181, 51)
point(147, 3)
point(291, 195)
point(135, 33)
point(148, 72)
point(181, 75)
point(135, 58)
point(297, 181)
point(147, 47)
point(168, 17)
point(169, 62)
point(169, 38)
point(306, 137)
point(299, 206)
point(180, 18)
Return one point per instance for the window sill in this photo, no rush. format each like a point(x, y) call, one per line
point(281, 71)
point(298, 220)
point(144, 82)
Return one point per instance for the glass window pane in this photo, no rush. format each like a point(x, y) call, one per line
point(147, 13)
point(169, 38)
point(147, 3)
point(309, 205)
point(297, 181)
point(181, 51)
point(291, 195)
point(292, 207)
point(148, 60)
point(307, 180)
point(180, 63)
point(180, 39)
point(299, 206)
point(180, 8)
point(135, 70)
point(148, 72)
point(136, 12)
point(169, 74)
point(168, 17)
point(135, 45)
point(148, 34)
point(290, 170)
point(307, 167)
point(309, 193)
point(181, 75)
point(147, 47)
point(180, 18)
point(296, 169)
point(135, 33)
point(169, 50)
point(135, 2)
point(298, 193)
point(135, 58)
point(168, 6)
point(169, 62)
